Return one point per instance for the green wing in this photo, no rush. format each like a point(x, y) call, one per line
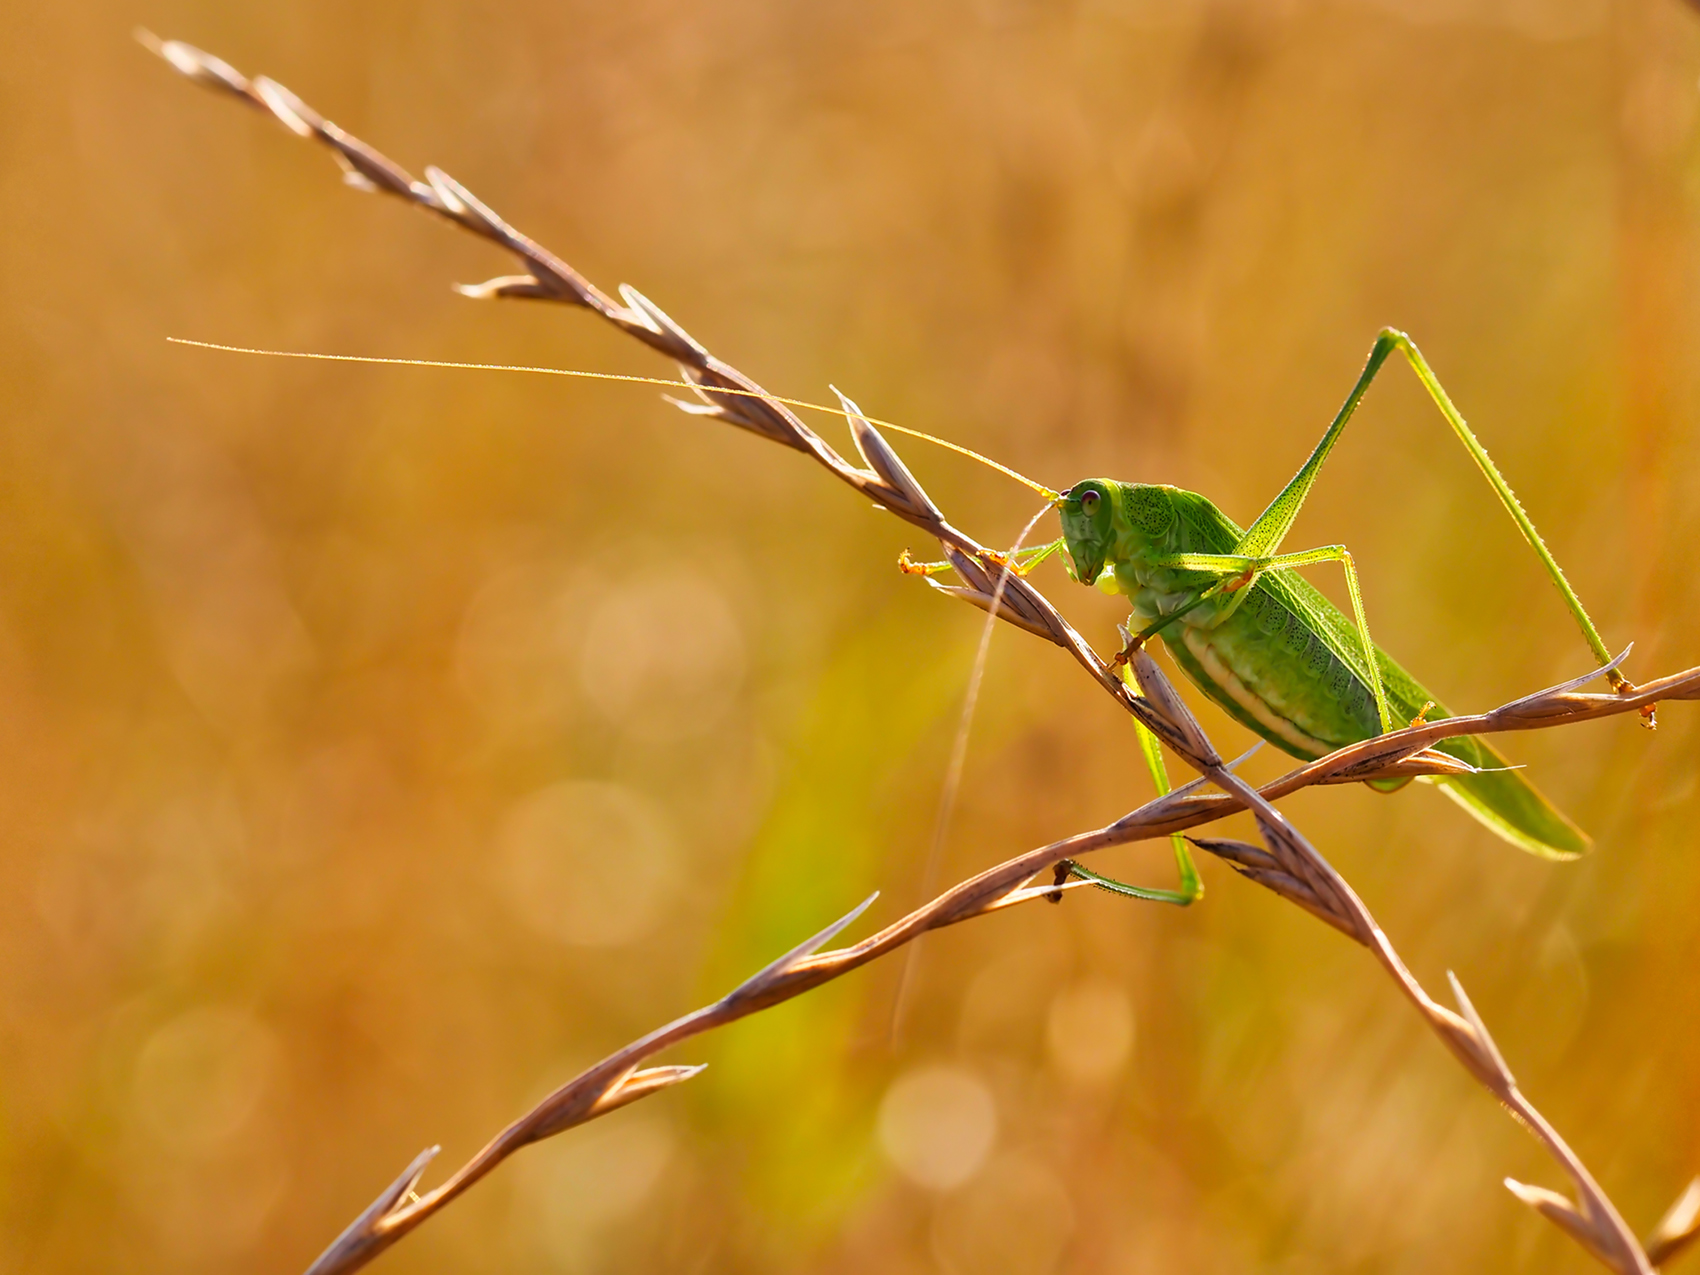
point(1509, 804)
point(1501, 798)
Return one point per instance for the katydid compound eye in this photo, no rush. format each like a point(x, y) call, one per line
point(1089, 502)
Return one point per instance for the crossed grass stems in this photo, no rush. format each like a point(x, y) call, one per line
point(1285, 863)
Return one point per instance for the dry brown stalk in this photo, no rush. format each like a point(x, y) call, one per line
point(1286, 863)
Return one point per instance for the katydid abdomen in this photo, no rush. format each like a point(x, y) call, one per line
point(1271, 673)
point(1282, 659)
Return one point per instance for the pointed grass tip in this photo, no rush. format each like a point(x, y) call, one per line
point(803, 950)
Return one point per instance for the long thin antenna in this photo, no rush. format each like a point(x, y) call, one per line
point(953, 773)
point(958, 448)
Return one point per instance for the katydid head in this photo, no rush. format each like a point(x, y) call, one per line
point(1087, 513)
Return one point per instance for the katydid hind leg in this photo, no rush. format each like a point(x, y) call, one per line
point(1264, 536)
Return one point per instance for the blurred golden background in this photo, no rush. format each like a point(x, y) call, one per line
point(378, 746)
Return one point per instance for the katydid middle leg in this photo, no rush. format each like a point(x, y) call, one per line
point(1192, 889)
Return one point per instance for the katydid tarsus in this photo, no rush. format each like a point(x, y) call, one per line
point(1258, 639)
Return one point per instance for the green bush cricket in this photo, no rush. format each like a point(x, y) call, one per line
point(1270, 649)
